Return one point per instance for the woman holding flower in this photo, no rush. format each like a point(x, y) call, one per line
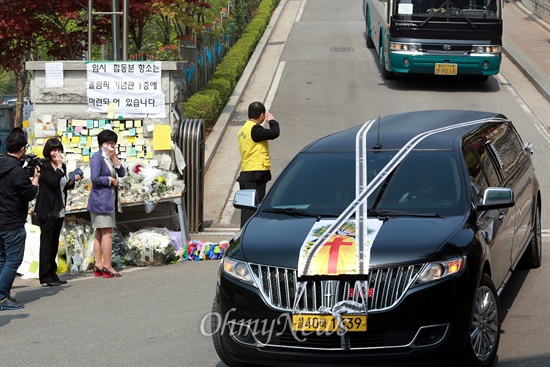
point(105, 169)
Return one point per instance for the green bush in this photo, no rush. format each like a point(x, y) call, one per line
point(208, 102)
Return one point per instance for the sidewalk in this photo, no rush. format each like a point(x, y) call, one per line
point(526, 42)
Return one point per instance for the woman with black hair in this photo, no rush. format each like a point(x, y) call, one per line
point(50, 209)
point(105, 169)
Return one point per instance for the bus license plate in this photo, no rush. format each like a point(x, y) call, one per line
point(327, 323)
point(446, 69)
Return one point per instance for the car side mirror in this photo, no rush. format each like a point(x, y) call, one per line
point(246, 199)
point(496, 198)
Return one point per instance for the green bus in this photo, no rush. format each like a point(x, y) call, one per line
point(441, 37)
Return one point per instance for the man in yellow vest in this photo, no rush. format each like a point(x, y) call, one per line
point(253, 145)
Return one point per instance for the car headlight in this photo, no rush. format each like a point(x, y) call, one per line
point(411, 47)
point(486, 49)
point(237, 269)
point(441, 269)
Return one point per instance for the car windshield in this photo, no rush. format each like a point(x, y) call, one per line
point(478, 10)
point(425, 183)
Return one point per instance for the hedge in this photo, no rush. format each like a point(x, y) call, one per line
point(208, 102)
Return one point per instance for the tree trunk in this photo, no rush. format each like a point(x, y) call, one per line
point(20, 79)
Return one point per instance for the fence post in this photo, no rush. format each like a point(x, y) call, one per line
point(190, 140)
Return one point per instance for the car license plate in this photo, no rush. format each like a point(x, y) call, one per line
point(328, 323)
point(446, 69)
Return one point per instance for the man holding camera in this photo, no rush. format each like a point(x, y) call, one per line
point(16, 190)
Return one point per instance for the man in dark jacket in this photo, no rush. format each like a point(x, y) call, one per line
point(16, 190)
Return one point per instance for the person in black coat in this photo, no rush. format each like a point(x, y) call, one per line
point(50, 210)
point(16, 190)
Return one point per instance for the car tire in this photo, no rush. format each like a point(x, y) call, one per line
point(217, 340)
point(532, 257)
point(484, 333)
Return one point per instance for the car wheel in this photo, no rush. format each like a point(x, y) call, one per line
point(533, 253)
point(484, 336)
point(217, 331)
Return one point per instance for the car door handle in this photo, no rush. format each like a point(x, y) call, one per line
point(501, 216)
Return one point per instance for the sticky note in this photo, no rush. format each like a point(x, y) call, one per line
point(132, 132)
point(162, 137)
point(111, 111)
point(85, 158)
point(129, 124)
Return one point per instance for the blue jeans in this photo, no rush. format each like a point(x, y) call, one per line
point(12, 248)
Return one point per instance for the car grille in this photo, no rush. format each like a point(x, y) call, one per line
point(386, 288)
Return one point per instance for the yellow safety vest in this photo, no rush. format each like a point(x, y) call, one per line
point(254, 156)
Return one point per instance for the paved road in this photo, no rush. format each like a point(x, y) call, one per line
point(313, 85)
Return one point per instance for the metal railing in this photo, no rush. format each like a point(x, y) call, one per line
point(191, 141)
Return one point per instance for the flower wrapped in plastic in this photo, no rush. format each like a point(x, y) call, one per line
point(198, 250)
point(76, 243)
point(78, 196)
point(150, 246)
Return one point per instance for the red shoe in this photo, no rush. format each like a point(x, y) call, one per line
point(108, 274)
point(97, 272)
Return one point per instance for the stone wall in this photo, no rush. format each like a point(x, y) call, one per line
point(70, 101)
point(540, 8)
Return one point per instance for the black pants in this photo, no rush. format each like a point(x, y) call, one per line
point(259, 186)
point(50, 228)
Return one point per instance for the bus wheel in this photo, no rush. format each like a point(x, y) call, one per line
point(370, 44)
point(385, 73)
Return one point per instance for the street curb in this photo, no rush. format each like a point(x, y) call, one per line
point(218, 131)
point(521, 64)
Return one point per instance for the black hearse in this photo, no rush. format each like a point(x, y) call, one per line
point(456, 207)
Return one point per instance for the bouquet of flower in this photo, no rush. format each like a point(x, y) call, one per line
point(78, 196)
point(150, 184)
point(198, 250)
point(76, 244)
point(150, 246)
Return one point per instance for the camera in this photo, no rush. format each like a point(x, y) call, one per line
point(29, 162)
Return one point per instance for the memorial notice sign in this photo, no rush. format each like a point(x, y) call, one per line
point(130, 88)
